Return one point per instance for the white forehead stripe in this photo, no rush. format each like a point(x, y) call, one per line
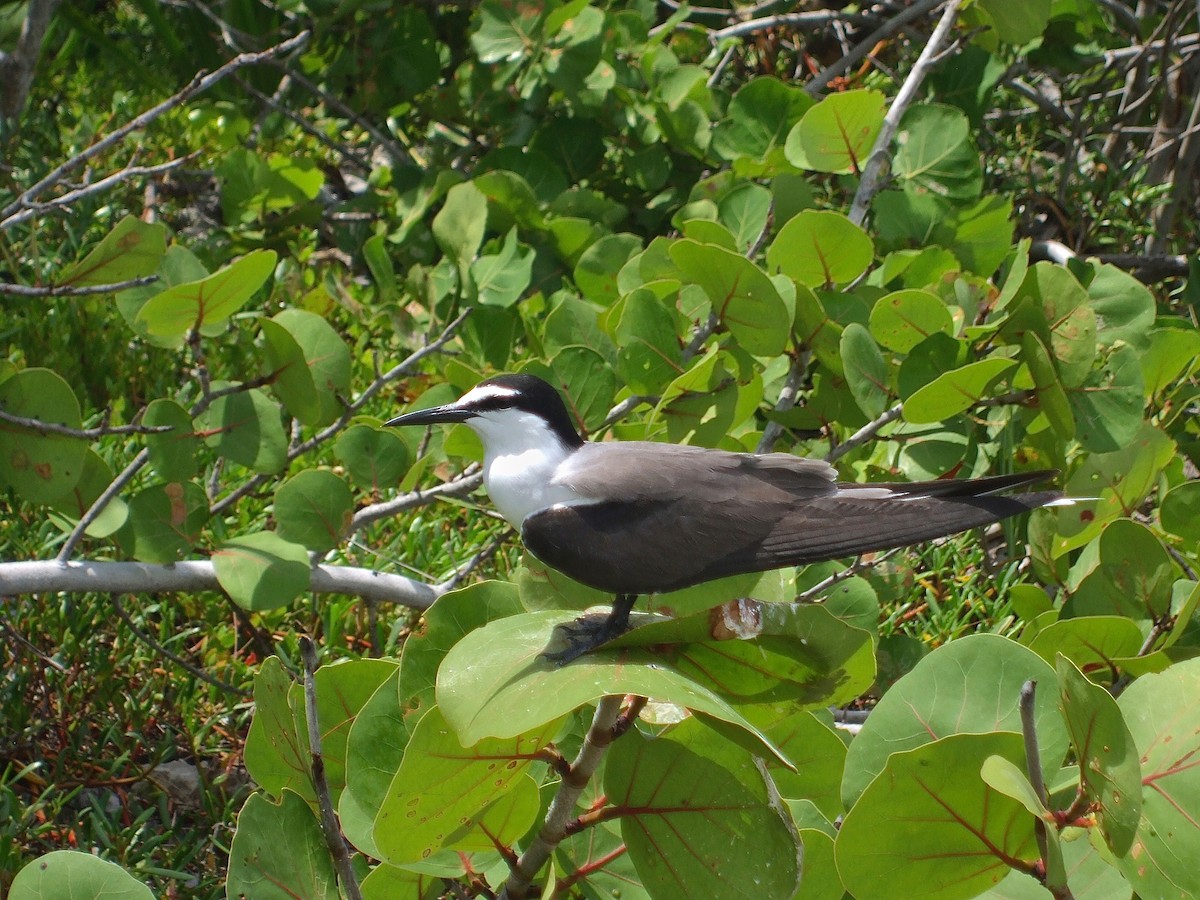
point(486, 392)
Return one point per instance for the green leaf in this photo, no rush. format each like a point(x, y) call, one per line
point(1108, 404)
point(132, 249)
point(1134, 578)
point(279, 852)
point(743, 297)
point(314, 508)
point(838, 133)
point(902, 319)
point(501, 278)
point(955, 391)
point(1166, 729)
point(1180, 511)
point(1094, 643)
point(97, 477)
point(375, 254)
point(814, 748)
point(930, 826)
point(496, 682)
point(374, 748)
point(506, 32)
point(172, 453)
point(745, 211)
point(1124, 307)
point(587, 381)
point(969, 685)
point(1171, 354)
point(165, 521)
point(323, 358)
point(262, 571)
point(596, 271)
point(375, 459)
point(442, 787)
point(1110, 776)
point(866, 370)
point(178, 310)
point(41, 468)
point(820, 248)
point(245, 427)
point(700, 818)
point(648, 351)
point(1051, 397)
point(758, 120)
point(459, 225)
point(71, 874)
point(935, 154)
point(1016, 21)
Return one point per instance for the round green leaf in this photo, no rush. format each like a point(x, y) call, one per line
point(279, 852)
point(955, 391)
point(902, 319)
point(210, 301)
point(41, 468)
point(935, 155)
point(968, 685)
point(165, 520)
point(1108, 759)
point(743, 297)
point(759, 117)
point(1094, 643)
point(374, 458)
point(442, 787)
point(71, 874)
point(700, 818)
point(172, 453)
point(929, 826)
point(262, 571)
point(326, 356)
point(292, 380)
point(596, 271)
point(819, 248)
point(1180, 511)
point(246, 427)
point(501, 278)
point(313, 508)
point(96, 478)
point(648, 351)
point(374, 750)
point(838, 133)
point(1166, 728)
point(866, 370)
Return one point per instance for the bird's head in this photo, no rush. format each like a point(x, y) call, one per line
point(508, 412)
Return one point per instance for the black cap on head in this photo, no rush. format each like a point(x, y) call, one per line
point(533, 395)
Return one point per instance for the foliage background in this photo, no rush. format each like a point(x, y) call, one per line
point(412, 161)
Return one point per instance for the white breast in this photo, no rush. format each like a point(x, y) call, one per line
point(520, 457)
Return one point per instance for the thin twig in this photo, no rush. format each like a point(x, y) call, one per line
point(85, 434)
point(859, 565)
point(866, 433)
point(562, 807)
point(329, 823)
point(66, 290)
point(1033, 764)
point(200, 83)
point(98, 506)
point(879, 161)
point(787, 399)
point(859, 52)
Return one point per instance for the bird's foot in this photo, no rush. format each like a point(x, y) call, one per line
point(587, 633)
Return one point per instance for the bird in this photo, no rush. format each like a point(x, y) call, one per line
point(633, 518)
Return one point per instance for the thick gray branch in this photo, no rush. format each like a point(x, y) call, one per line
point(199, 575)
point(16, 69)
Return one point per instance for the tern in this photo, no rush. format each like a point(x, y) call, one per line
point(639, 517)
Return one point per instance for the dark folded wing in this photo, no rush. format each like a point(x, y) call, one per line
point(651, 545)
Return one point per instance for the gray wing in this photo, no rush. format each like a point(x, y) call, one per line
point(645, 471)
point(663, 538)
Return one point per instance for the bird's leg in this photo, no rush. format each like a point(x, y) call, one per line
point(585, 634)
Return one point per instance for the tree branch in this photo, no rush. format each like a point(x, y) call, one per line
point(53, 290)
point(562, 807)
point(22, 208)
point(329, 823)
point(880, 158)
point(16, 69)
point(191, 576)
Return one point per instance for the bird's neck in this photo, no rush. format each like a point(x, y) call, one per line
point(519, 463)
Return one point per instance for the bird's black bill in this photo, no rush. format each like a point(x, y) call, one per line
point(436, 415)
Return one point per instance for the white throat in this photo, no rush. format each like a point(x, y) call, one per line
point(520, 457)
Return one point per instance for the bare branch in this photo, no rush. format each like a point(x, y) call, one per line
point(86, 434)
point(191, 576)
point(97, 507)
point(329, 823)
point(866, 433)
point(562, 807)
point(859, 52)
point(199, 84)
point(16, 68)
point(25, 290)
point(879, 160)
